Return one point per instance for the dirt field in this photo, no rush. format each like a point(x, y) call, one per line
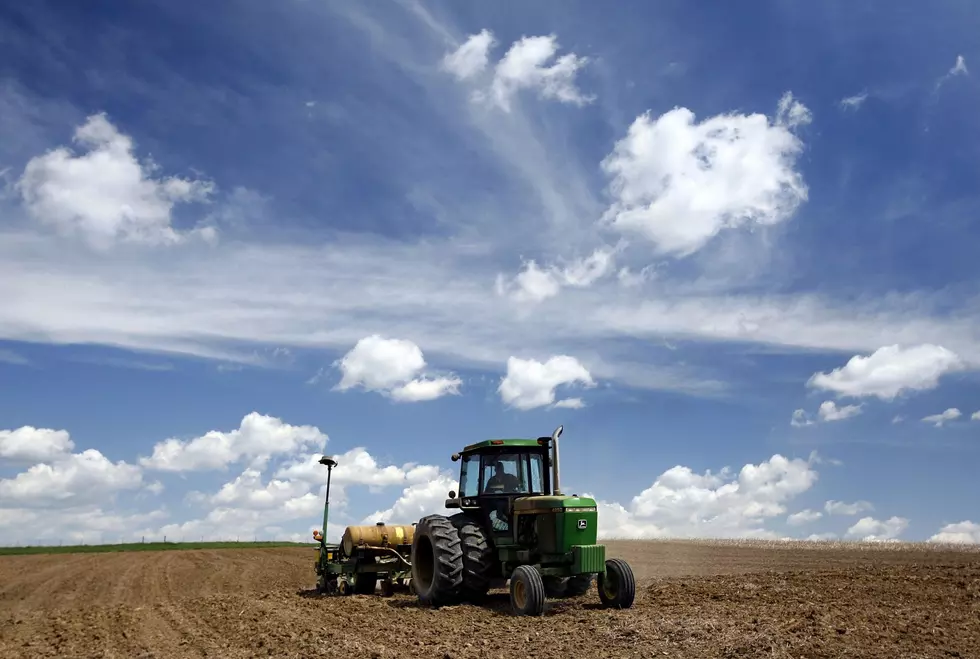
point(693, 600)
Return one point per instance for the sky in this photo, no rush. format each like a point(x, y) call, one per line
point(731, 249)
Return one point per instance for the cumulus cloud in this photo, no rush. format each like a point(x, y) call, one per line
point(679, 183)
point(840, 508)
point(105, 194)
point(870, 529)
point(965, 532)
point(534, 284)
point(472, 57)
point(70, 480)
point(949, 414)
point(529, 64)
point(354, 467)
point(889, 372)
point(417, 500)
point(830, 412)
point(257, 439)
point(800, 419)
point(392, 367)
point(529, 383)
point(30, 444)
point(682, 503)
point(803, 517)
point(975, 416)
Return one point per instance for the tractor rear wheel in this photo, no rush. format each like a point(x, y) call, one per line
point(478, 558)
point(527, 591)
point(437, 561)
point(617, 587)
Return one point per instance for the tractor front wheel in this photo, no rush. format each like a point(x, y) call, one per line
point(527, 591)
point(617, 587)
point(437, 561)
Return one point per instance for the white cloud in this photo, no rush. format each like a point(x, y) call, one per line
point(803, 517)
point(889, 372)
point(570, 403)
point(106, 194)
point(526, 66)
point(975, 416)
point(30, 444)
point(854, 102)
point(88, 525)
point(529, 64)
point(679, 183)
point(392, 367)
point(682, 503)
point(959, 68)
point(965, 532)
point(870, 529)
point(530, 383)
point(535, 284)
point(257, 439)
point(71, 480)
point(830, 412)
point(949, 414)
point(472, 57)
point(248, 491)
point(840, 508)
point(800, 419)
point(355, 467)
point(417, 500)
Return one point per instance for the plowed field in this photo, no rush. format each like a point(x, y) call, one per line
point(694, 599)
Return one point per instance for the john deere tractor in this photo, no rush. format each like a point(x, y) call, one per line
point(515, 524)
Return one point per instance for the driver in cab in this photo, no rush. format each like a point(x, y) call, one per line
point(501, 481)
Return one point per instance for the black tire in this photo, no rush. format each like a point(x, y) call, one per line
point(527, 591)
point(437, 561)
point(478, 559)
point(617, 587)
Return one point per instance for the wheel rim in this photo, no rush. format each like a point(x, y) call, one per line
point(520, 594)
point(609, 585)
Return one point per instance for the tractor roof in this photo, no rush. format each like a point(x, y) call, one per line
point(504, 443)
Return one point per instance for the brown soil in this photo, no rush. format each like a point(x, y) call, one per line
point(694, 600)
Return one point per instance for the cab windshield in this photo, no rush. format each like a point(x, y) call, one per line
point(512, 473)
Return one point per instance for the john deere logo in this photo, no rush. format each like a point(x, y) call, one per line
point(582, 523)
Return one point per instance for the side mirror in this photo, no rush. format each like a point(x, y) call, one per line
point(452, 503)
point(455, 457)
point(452, 494)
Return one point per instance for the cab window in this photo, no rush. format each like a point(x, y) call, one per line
point(510, 473)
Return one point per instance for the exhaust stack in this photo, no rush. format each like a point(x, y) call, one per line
point(555, 482)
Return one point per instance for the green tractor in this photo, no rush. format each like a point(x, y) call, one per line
point(515, 523)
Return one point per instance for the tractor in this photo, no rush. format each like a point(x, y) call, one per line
point(514, 523)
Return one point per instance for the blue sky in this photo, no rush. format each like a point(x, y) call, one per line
point(232, 239)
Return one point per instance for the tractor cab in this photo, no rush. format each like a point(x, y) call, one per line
point(496, 472)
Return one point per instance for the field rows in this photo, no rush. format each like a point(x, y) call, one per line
point(695, 599)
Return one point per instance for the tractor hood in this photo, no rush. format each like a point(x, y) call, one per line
point(557, 504)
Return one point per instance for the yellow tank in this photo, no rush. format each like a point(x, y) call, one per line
point(377, 536)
